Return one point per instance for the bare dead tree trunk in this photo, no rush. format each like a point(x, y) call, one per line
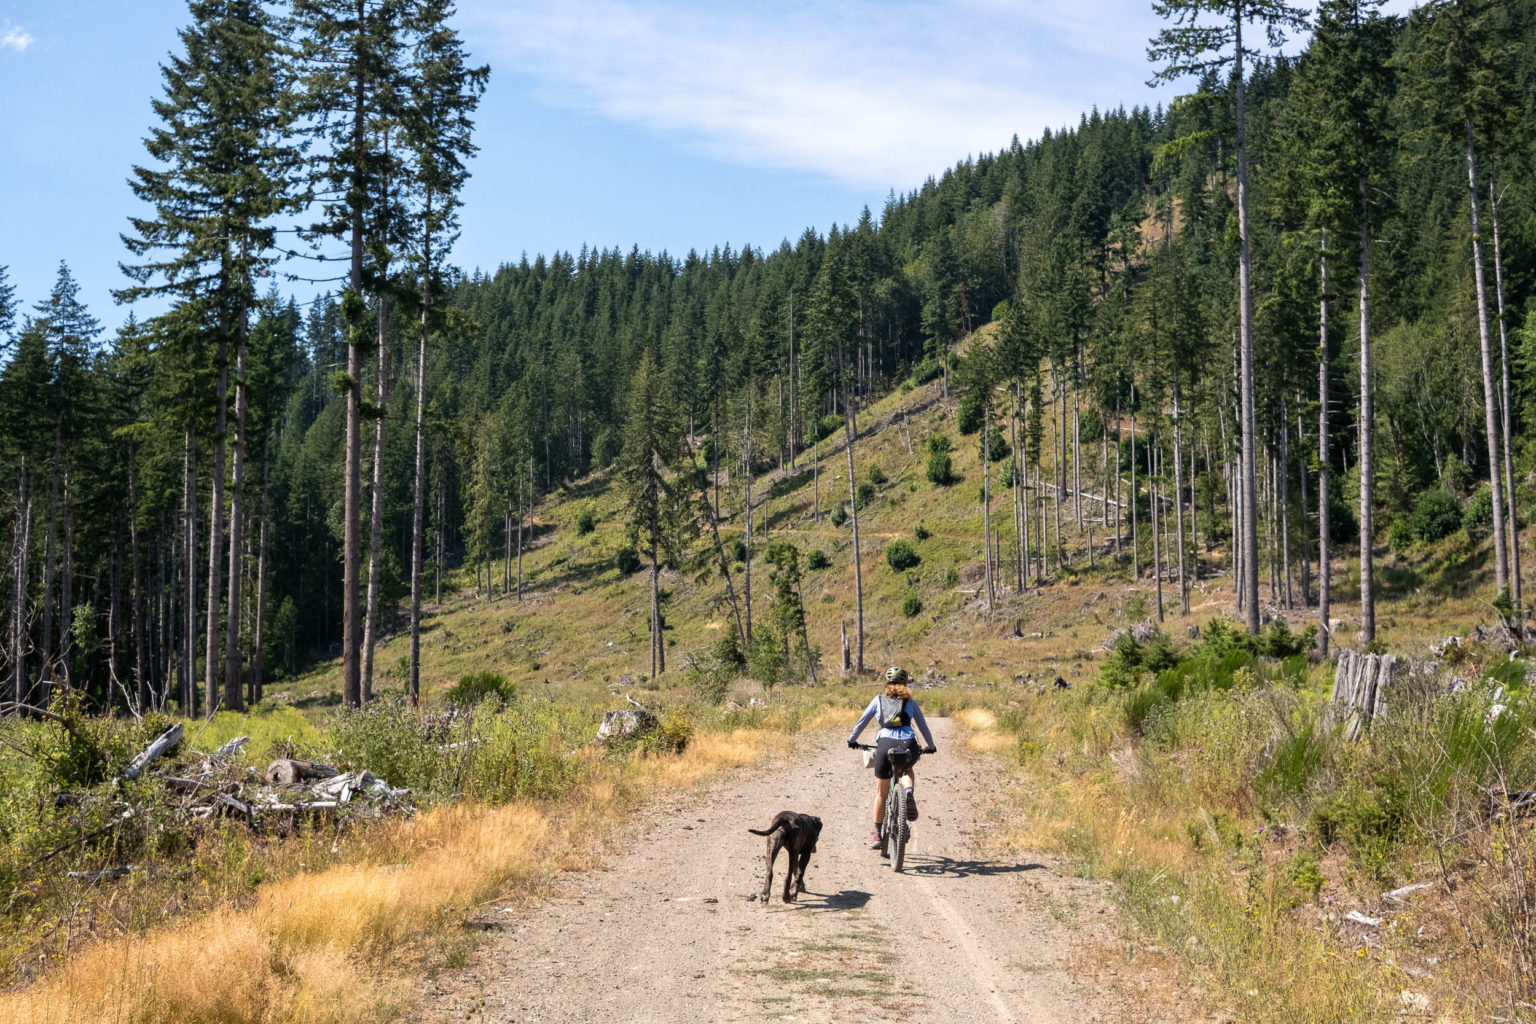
point(352, 504)
point(1178, 493)
point(1018, 490)
point(746, 585)
point(259, 639)
point(658, 650)
point(50, 562)
point(376, 513)
point(21, 550)
point(1324, 568)
point(1509, 463)
point(858, 571)
point(1367, 432)
point(1135, 526)
point(189, 638)
point(211, 651)
point(140, 677)
point(1250, 535)
point(1152, 492)
point(986, 495)
point(419, 485)
point(1490, 394)
point(233, 696)
point(67, 584)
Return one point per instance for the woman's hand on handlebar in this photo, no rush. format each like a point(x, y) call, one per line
point(930, 749)
point(853, 744)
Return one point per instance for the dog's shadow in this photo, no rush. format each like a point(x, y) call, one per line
point(948, 867)
point(847, 899)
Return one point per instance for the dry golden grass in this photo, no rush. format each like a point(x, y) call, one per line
point(342, 945)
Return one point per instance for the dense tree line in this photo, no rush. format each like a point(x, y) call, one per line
point(1228, 332)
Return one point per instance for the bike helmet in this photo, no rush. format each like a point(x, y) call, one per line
point(895, 674)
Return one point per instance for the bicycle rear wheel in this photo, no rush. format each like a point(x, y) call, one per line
point(888, 831)
point(899, 829)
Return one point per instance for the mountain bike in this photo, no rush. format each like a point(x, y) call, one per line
point(897, 829)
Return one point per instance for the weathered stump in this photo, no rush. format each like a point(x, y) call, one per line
point(288, 771)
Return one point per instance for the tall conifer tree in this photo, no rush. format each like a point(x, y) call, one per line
point(1192, 46)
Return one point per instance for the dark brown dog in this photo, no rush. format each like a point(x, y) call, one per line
point(796, 833)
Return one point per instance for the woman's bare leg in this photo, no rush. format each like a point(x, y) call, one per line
point(882, 791)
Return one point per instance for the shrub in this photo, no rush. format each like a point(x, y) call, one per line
point(817, 559)
point(1435, 515)
point(899, 555)
point(968, 416)
point(994, 446)
point(1291, 767)
point(921, 532)
point(712, 672)
point(939, 443)
point(828, 425)
point(951, 577)
point(671, 735)
point(389, 739)
point(864, 494)
point(1304, 873)
point(1477, 519)
point(875, 475)
point(1133, 657)
point(628, 559)
point(737, 549)
point(480, 686)
point(767, 661)
point(586, 520)
point(839, 515)
point(940, 469)
point(926, 370)
point(911, 605)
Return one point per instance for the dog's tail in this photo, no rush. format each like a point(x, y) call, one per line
point(769, 831)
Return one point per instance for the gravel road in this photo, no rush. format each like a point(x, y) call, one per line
point(671, 930)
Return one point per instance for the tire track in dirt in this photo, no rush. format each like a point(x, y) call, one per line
point(671, 931)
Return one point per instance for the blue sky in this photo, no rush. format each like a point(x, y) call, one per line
point(671, 124)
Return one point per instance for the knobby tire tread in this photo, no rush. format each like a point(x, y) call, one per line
point(899, 826)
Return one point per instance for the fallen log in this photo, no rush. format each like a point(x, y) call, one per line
point(99, 876)
point(229, 749)
point(287, 771)
point(165, 741)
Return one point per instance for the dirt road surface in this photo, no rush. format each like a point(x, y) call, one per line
point(672, 931)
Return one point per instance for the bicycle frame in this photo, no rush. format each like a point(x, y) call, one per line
point(897, 829)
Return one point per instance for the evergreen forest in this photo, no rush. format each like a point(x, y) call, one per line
point(1294, 312)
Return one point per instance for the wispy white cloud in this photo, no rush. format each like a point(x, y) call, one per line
point(863, 92)
point(16, 38)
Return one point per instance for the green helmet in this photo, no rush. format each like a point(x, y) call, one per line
point(895, 674)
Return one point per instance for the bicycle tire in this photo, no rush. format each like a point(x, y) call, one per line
point(899, 828)
point(889, 830)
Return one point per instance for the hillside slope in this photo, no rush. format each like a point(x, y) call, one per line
point(581, 628)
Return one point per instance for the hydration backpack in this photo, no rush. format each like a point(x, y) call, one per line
point(892, 713)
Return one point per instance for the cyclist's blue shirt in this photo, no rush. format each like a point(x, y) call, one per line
point(900, 732)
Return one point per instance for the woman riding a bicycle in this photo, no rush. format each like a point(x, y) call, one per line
point(896, 711)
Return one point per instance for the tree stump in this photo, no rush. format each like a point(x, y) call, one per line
point(287, 771)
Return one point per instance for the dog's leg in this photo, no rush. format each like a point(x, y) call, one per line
point(775, 840)
point(789, 877)
point(804, 862)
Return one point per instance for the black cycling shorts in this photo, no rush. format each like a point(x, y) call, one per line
point(883, 748)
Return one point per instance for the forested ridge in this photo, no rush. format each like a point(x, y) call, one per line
point(206, 499)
